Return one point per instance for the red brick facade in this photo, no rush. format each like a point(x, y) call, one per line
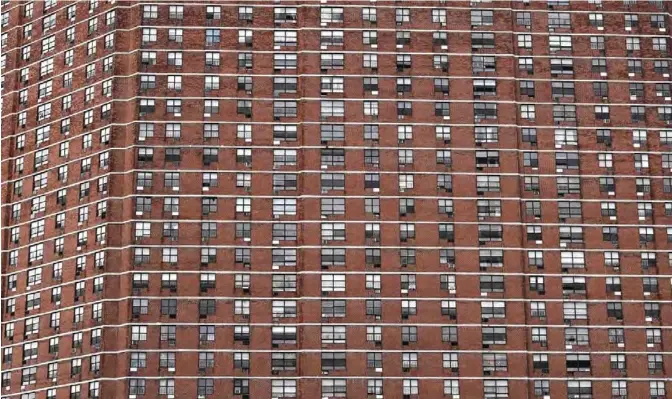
point(473, 199)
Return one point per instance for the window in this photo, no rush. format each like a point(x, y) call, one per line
point(283, 361)
point(245, 14)
point(332, 133)
point(562, 42)
point(580, 389)
point(48, 44)
point(485, 134)
point(148, 35)
point(174, 107)
point(333, 388)
point(284, 14)
point(331, 15)
point(596, 20)
point(490, 309)
point(576, 336)
point(539, 335)
point(404, 61)
point(494, 362)
point(665, 113)
point(402, 15)
point(439, 16)
point(662, 90)
point(147, 82)
point(495, 389)
point(524, 41)
point(333, 334)
point(572, 259)
point(451, 388)
point(661, 66)
point(286, 38)
point(527, 111)
point(657, 389)
point(370, 37)
point(602, 112)
point(481, 18)
point(371, 84)
point(176, 12)
point(410, 386)
point(562, 89)
point(565, 66)
point(333, 282)
point(569, 209)
point(482, 40)
point(524, 19)
point(658, 21)
point(333, 361)
point(558, 20)
point(370, 108)
point(332, 61)
point(597, 43)
point(632, 44)
point(369, 14)
point(289, 84)
point(285, 388)
point(370, 61)
point(483, 111)
point(175, 59)
point(575, 310)
point(659, 44)
point(487, 183)
point(328, 257)
point(442, 109)
point(329, 108)
point(631, 21)
point(287, 308)
point(331, 38)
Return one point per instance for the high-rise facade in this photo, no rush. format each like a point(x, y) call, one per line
point(318, 199)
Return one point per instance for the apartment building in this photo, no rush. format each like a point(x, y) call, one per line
point(321, 199)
